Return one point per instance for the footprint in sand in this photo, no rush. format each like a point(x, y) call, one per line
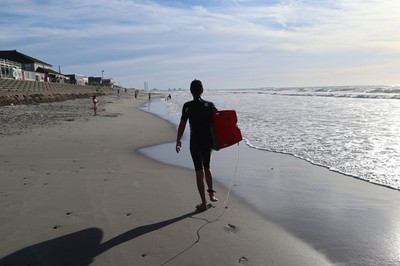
point(243, 260)
point(232, 226)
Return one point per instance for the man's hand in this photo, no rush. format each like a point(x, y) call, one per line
point(178, 146)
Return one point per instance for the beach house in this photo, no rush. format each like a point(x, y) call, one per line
point(16, 65)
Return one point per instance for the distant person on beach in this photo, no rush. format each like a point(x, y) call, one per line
point(149, 96)
point(198, 112)
point(95, 105)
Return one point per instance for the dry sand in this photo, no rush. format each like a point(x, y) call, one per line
point(75, 191)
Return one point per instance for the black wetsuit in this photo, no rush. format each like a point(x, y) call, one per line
point(199, 114)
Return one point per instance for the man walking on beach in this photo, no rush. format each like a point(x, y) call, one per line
point(199, 112)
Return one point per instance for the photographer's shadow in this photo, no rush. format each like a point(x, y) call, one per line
point(79, 248)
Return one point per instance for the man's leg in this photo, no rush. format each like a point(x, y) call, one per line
point(200, 187)
point(208, 176)
point(209, 181)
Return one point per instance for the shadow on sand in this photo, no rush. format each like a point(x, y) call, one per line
point(79, 248)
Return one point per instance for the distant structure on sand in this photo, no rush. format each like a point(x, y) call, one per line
point(19, 66)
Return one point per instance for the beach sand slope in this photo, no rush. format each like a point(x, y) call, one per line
point(79, 193)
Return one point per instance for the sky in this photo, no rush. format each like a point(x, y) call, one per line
point(225, 43)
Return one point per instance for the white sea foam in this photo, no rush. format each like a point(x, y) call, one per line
point(352, 130)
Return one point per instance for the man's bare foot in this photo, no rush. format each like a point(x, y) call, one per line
point(202, 206)
point(211, 194)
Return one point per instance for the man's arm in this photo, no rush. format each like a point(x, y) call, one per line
point(181, 129)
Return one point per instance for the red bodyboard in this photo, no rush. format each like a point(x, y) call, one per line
point(224, 129)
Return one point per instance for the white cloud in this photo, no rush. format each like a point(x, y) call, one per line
point(242, 44)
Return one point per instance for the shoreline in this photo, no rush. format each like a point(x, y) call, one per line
point(324, 208)
point(79, 193)
point(328, 168)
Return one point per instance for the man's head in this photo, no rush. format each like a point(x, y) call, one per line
point(196, 88)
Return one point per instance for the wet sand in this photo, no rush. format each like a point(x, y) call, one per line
point(75, 191)
point(350, 221)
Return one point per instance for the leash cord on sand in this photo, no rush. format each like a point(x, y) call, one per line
point(225, 206)
point(216, 217)
point(194, 243)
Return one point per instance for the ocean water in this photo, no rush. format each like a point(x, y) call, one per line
point(352, 130)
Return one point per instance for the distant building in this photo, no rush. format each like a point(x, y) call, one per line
point(108, 83)
point(99, 81)
point(17, 65)
point(95, 81)
point(10, 69)
point(77, 79)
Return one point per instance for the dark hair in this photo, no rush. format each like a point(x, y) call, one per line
point(196, 88)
